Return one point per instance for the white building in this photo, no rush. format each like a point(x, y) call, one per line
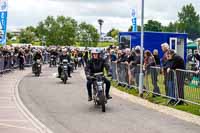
point(105, 38)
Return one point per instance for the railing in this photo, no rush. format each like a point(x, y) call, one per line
point(177, 85)
point(8, 63)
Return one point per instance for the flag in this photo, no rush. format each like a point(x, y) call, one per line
point(3, 20)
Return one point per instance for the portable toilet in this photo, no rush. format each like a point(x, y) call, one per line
point(153, 40)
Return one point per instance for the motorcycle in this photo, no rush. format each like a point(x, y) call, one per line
point(52, 61)
point(99, 91)
point(64, 73)
point(37, 68)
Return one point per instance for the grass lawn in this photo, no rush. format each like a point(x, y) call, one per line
point(190, 108)
point(100, 44)
point(191, 92)
point(104, 44)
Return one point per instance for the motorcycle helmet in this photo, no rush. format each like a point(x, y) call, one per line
point(95, 51)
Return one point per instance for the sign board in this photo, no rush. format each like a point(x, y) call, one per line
point(3, 20)
point(134, 20)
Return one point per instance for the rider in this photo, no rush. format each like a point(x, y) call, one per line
point(65, 55)
point(53, 52)
point(37, 56)
point(96, 65)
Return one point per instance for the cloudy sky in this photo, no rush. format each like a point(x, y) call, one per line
point(115, 13)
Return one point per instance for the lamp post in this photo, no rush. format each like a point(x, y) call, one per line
point(141, 78)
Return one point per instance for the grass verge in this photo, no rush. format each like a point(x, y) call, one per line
point(187, 107)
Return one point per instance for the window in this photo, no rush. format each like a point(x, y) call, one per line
point(125, 42)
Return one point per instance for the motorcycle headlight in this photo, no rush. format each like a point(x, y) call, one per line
point(38, 61)
point(100, 85)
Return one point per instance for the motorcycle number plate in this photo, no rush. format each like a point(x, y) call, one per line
point(100, 88)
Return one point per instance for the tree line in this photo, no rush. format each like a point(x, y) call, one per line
point(67, 31)
point(60, 31)
point(188, 22)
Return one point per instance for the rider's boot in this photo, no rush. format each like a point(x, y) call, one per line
point(108, 96)
point(89, 99)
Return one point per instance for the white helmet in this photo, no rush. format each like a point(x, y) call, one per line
point(137, 47)
point(64, 50)
point(96, 51)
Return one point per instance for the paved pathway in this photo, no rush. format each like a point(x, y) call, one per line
point(64, 109)
point(12, 119)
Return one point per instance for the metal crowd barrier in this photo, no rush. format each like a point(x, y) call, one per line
point(1, 64)
point(160, 82)
point(134, 76)
point(28, 60)
point(114, 71)
point(188, 86)
point(5, 64)
point(178, 85)
point(122, 73)
point(8, 63)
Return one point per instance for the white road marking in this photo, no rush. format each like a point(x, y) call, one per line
point(8, 107)
point(19, 127)
point(13, 120)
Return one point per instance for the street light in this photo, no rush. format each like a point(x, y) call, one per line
point(141, 51)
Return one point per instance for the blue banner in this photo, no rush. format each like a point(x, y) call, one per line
point(134, 21)
point(3, 21)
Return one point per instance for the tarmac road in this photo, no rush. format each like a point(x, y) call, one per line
point(64, 109)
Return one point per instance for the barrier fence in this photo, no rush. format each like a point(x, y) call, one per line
point(8, 63)
point(177, 85)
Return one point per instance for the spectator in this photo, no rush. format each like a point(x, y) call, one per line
point(122, 56)
point(113, 56)
point(156, 57)
point(164, 61)
point(177, 62)
point(130, 58)
point(197, 60)
point(149, 61)
point(21, 59)
point(136, 63)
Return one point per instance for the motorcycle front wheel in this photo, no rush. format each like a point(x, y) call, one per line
point(102, 102)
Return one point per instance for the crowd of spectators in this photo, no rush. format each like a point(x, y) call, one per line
point(153, 65)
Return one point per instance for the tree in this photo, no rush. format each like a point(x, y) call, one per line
point(26, 36)
point(59, 31)
point(88, 35)
point(172, 27)
point(153, 25)
point(138, 28)
point(100, 21)
point(113, 33)
point(189, 21)
point(9, 35)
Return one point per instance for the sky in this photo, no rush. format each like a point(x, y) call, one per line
point(115, 13)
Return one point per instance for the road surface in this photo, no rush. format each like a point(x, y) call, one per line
point(64, 109)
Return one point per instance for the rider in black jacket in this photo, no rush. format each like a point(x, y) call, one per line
point(36, 56)
point(65, 55)
point(96, 65)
